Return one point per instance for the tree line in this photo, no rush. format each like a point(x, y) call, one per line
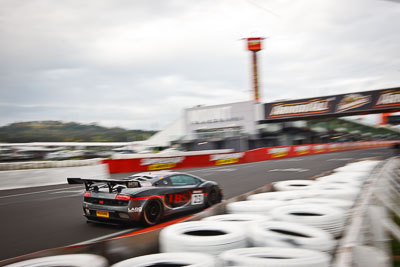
point(57, 131)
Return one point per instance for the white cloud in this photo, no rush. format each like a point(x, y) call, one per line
point(137, 64)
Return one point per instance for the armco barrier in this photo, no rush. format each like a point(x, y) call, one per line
point(219, 159)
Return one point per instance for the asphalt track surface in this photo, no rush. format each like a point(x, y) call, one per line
point(39, 218)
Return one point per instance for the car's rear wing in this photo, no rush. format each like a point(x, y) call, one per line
point(109, 182)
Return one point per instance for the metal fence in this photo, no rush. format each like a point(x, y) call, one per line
point(366, 241)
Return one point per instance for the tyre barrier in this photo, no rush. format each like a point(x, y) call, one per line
point(340, 190)
point(202, 236)
point(290, 185)
point(242, 219)
point(331, 202)
point(364, 166)
point(221, 235)
point(330, 193)
point(72, 260)
point(190, 259)
point(323, 217)
point(275, 257)
point(339, 179)
point(288, 234)
point(359, 176)
point(253, 206)
point(281, 195)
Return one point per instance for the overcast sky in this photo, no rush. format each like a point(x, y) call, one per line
point(138, 63)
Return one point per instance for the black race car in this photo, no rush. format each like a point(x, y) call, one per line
point(146, 197)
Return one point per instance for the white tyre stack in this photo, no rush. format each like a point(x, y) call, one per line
point(290, 235)
point(340, 179)
point(254, 206)
point(290, 185)
point(242, 219)
point(202, 236)
point(275, 257)
point(72, 260)
point(189, 259)
point(334, 190)
point(359, 176)
point(323, 217)
point(282, 195)
point(365, 166)
point(331, 202)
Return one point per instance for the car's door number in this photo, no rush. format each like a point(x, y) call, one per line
point(197, 199)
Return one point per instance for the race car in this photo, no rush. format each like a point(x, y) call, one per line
point(146, 197)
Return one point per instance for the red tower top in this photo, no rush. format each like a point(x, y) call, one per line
point(254, 43)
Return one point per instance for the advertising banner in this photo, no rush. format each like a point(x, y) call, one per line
point(235, 115)
point(209, 160)
point(377, 101)
point(278, 152)
point(224, 159)
point(302, 150)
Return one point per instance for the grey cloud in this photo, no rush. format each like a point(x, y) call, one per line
point(139, 63)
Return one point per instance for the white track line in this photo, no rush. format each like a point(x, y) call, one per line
point(38, 192)
point(106, 236)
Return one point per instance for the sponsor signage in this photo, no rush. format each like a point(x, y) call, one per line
point(302, 150)
point(260, 154)
point(394, 119)
point(319, 148)
point(154, 164)
point(223, 159)
point(279, 152)
point(377, 101)
point(239, 115)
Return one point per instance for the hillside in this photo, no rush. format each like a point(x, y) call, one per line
point(56, 131)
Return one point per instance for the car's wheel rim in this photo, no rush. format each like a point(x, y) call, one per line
point(152, 212)
point(213, 197)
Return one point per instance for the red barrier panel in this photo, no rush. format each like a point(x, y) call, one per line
point(177, 162)
point(259, 154)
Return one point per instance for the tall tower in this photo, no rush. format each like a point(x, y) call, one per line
point(254, 45)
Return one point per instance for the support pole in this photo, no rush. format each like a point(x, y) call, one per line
point(255, 78)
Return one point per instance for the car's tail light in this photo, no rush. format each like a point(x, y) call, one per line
point(122, 197)
point(87, 194)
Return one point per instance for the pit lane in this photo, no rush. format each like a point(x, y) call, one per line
point(39, 218)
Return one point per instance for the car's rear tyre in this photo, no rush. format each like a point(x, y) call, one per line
point(213, 197)
point(152, 212)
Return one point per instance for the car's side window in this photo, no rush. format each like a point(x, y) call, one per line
point(164, 182)
point(181, 180)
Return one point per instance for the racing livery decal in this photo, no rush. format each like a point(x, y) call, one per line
point(178, 199)
point(197, 197)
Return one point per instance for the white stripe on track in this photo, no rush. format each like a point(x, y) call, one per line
point(106, 237)
point(38, 192)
